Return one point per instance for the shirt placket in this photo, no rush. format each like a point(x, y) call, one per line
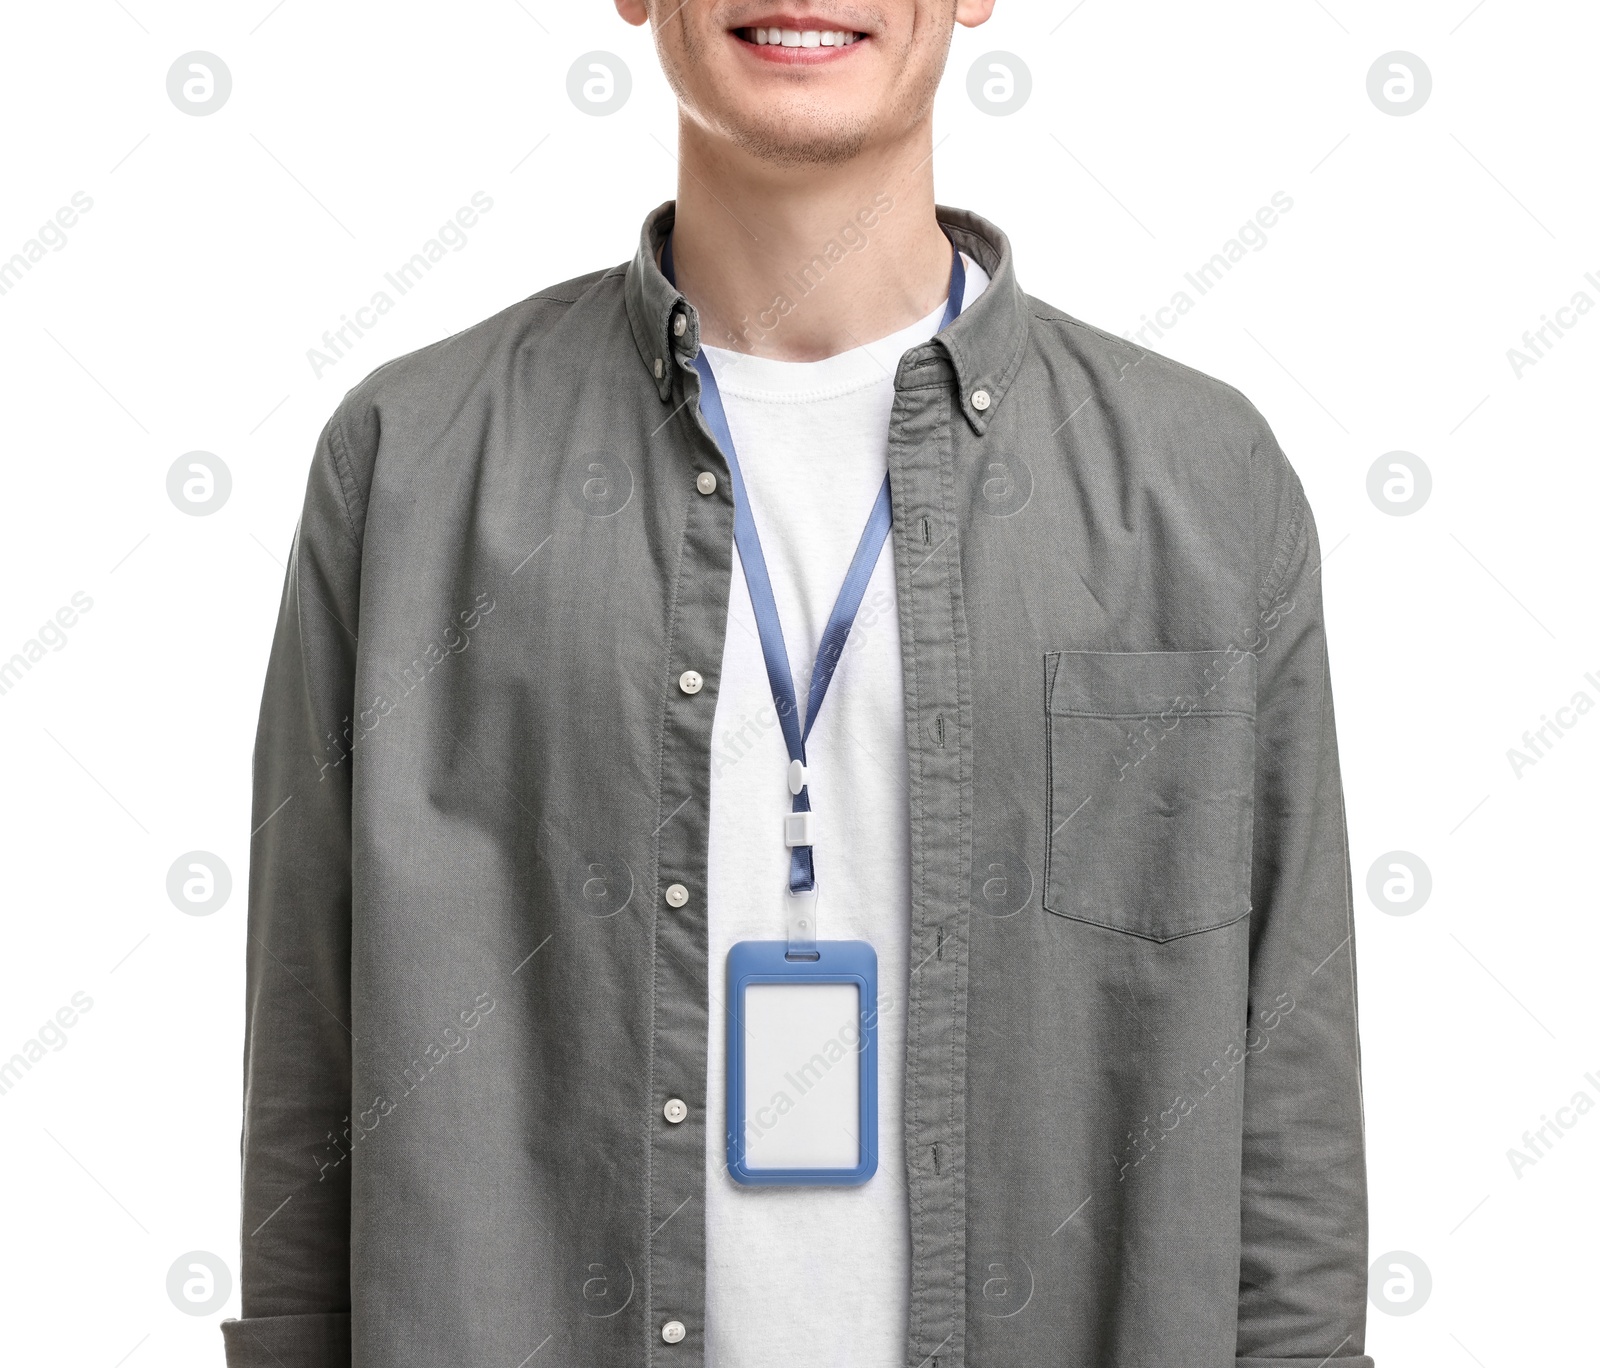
point(682, 981)
point(922, 438)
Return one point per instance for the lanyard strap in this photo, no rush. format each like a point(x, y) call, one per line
point(797, 828)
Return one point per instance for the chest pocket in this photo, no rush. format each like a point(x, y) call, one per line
point(1151, 760)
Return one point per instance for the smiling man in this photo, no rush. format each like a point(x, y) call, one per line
point(798, 819)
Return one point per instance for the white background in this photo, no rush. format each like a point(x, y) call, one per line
point(178, 315)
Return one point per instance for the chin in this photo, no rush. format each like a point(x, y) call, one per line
point(800, 142)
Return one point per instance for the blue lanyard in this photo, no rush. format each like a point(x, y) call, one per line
point(802, 869)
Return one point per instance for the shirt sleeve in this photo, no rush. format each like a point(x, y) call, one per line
point(1302, 1282)
point(295, 1229)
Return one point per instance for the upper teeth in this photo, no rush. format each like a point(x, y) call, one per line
point(801, 37)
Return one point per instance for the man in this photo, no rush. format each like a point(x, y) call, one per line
point(583, 789)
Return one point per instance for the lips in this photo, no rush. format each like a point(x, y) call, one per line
point(774, 35)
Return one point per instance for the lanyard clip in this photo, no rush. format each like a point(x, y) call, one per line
point(802, 925)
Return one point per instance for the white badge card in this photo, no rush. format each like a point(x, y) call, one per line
point(802, 1064)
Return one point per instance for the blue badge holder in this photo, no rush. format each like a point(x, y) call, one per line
point(754, 963)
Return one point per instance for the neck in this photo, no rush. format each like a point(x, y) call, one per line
point(802, 263)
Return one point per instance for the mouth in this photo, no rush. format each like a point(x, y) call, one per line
point(790, 42)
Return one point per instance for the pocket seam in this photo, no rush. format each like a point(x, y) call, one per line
point(1145, 716)
point(1129, 931)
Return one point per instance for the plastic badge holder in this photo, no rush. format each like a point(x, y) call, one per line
point(802, 1064)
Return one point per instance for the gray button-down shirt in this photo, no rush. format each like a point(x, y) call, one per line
point(1132, 1107)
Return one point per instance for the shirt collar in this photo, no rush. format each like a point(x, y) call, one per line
point(982, 350)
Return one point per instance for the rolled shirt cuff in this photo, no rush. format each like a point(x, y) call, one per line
point(319, 1341)
point(1348, 1361)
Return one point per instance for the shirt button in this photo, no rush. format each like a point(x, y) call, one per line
point(675, 1110)
point(673, 1332)
point(706, 482)
point(661, 368)
point(680, 325)
point(677, 895)
point(980, 400)
point(690, 682)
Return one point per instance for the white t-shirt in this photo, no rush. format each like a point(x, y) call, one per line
point(813, 1277)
